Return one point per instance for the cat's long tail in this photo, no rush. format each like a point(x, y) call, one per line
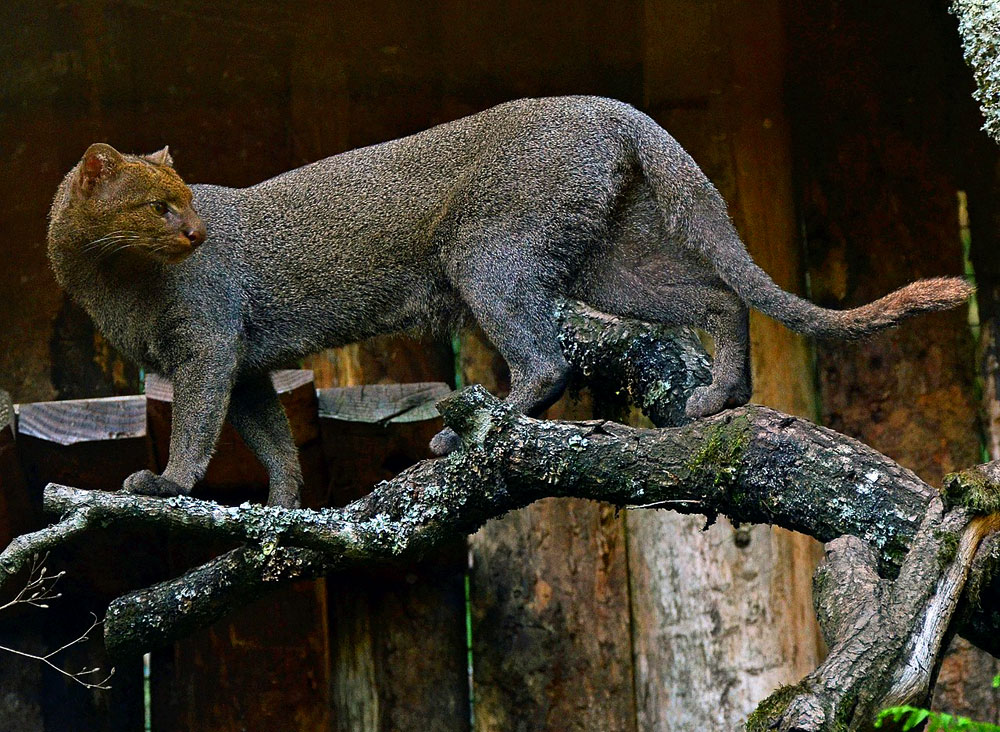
point(702, 221)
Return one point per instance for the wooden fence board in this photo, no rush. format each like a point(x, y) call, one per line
point(397, 636)
point(265, 667)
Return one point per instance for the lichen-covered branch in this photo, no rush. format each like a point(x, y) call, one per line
point(653, 367)
point(752, 464)
point(979, 26)
point(886, 637)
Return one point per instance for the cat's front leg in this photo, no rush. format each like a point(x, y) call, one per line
point(256, 412)
point(202, 388)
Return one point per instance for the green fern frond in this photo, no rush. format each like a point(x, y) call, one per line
point(913, 717)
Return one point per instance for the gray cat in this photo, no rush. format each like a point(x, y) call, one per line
point(497, 216)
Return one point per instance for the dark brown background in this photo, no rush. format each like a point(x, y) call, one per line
point(838, 130)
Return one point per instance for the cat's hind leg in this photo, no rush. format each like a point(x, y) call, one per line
point(728, 321)
point(517, 313)
point(710, 306)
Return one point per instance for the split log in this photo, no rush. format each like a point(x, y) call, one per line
point(887, 637)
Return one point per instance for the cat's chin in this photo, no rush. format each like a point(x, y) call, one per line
point(170, 257)
point(173, 255)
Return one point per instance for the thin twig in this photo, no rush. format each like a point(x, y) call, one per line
point(39, 587)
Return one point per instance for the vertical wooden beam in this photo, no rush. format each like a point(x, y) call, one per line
point(548, 585)
point(881, 131)
point(549, 595)
point(721, 617)
point(398, 645)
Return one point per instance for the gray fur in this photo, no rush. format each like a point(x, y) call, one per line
point(495, 216)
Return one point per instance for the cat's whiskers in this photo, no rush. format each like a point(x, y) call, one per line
point(111, 242)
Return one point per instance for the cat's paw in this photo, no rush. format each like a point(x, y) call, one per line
point(445, 441)
point(708, 400)
point(284, 497)
point(704, 402)
point(148, 483)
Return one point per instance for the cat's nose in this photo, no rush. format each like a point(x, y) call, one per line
point(195, 235)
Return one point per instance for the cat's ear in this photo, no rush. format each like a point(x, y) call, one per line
point(99, 164)
point(161, 157)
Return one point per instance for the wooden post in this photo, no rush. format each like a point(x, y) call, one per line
point(549, 602)
point(397, 637)
point(723, 616)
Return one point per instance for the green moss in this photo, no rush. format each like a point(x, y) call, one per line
point(972, 489)
point(845, 712)
point(718, 461)
point(948, 548)
point(820, 581)
point(774, 706)
point(895, 553)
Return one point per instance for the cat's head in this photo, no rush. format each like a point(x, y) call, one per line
point(137, 203)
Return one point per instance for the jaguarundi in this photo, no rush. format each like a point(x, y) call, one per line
point(495, 216)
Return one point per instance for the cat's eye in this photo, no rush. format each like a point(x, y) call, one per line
point(160, 207)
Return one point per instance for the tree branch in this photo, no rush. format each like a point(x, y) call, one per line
point(752, 464)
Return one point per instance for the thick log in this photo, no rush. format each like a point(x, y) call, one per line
point(548, 585)
point(726, 107)
point(979, 26)
point(887, 638)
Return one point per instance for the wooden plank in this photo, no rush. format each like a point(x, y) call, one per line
point(20, 678)
point(269, 659)
point(547, 583)
point(398, 637)
point(877, 193)
point(381, 403)
point(264, 667)
point(88, 443)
